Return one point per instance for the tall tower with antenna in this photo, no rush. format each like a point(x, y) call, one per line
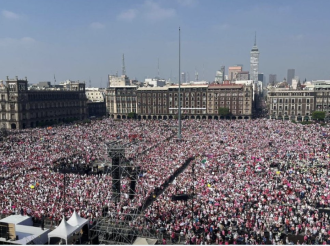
point(254, 61)
point(124, 70)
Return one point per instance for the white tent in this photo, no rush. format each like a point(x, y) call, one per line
point(76, 221)
point(64, 231)
point(144, 241)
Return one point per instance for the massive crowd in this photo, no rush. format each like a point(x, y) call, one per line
point(253, 181)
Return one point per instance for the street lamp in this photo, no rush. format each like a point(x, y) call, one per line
point(179, 113)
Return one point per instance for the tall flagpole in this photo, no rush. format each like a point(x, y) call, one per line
point(179, 115)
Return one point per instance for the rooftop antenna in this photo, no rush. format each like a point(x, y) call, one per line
point(54, 80)
point(124, 70)
point(255, 38)
point(90, 83)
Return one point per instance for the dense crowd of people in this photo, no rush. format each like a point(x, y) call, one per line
point(250, 181)
point(254, 182)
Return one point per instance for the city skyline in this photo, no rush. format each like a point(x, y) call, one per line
point(81, 40)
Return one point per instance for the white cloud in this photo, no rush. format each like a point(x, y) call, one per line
point(16, 41)
point(153, 11)
point(128, 15)
point(97, 25)
point(9, 15)
point(187, 3)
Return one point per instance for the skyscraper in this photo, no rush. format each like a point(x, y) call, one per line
point(272, 79)
point(254, 61)
point(222, 69)
point(291, 74)
point(183, 77)
point(261, 77)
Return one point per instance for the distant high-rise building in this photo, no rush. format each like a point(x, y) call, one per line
point(254, 62)
point(272, 79)
point(233, 71)
point(183, 77)
point(261, 77)
point(222, 69)
point(218, 77)
point(243, 75)
point(291, 74)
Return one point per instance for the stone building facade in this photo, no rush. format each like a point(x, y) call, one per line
point(295, 104)
point(197, 101)
point(21, 108)
point(120, 101)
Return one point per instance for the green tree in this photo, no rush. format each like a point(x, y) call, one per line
point(318, 115)
point(131, 115)
point(223, 111)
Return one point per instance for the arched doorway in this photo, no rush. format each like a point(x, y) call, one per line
point(186, 117)
point(216, 117)
point(233, 118)
point(124, 117)
point(198, 117)
point(165, 117)
point(192, 117)
point(204, 117)
point(227, 117)
point(159, 117)
point(210, 117)
point(154, 117)
point(118, 117)
point(13, 126)
point(170, 117)
point(149, 117)
point(222, 117)
point(246, 118)
point(23, 126)
point(239, 117)
point(144, 117)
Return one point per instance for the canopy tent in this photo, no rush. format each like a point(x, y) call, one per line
point(76, 221)
point(144, 241)
point(64, 231)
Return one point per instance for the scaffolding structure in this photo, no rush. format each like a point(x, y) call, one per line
point(122, 226)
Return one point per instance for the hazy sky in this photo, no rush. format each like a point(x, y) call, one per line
point(82, 39)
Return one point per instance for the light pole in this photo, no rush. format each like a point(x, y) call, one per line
point(192, 195)
point(179, 113)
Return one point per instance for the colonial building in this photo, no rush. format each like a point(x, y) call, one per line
point(152, 102)
point(287, 104)
point(96, 104)
point(120, 101)
point(237, 98)
point(22, 108)
point(95, 94)
point(197, 101)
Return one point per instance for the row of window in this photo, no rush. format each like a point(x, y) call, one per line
point(292, 100)
point(292, 107)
